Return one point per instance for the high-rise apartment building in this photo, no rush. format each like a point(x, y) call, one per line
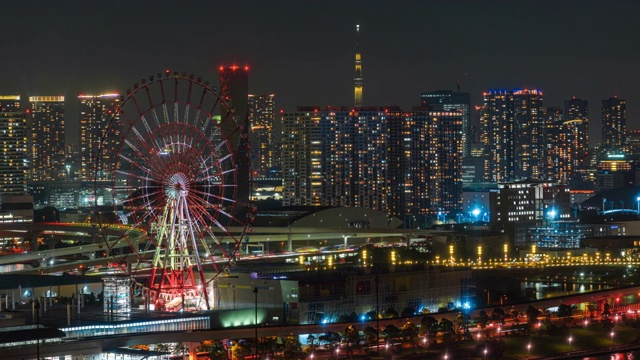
point(263, 148)
point(554, 151)
point(96, 111)
point(407, 164)
point(46, 138)
point(425, 165)
point(447, 100)
point(498, 135)
point(614, 123)
point(529, 140)
point(13, 140)
point(335, 156)
point(575, 135)
point(513, 135)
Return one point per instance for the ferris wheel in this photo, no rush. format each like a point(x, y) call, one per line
point(169, 167)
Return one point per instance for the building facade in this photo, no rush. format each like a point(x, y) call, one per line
point(447, 100)
point(407, 164)
point(46, 138)
point(14, 161)
point(614, 123)
point(96, 112)
point(263, 146)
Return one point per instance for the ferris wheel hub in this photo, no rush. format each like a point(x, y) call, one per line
point(177, 185)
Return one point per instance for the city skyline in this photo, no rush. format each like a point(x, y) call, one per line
point(303, 52)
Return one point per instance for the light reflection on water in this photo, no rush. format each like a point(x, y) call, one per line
point(544, 290)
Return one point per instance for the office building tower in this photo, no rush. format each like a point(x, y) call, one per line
point(14, 156)
point(46, 138)
point(614, 123)
point(498, 135)
point(555, 150)
point(234, 90)
point(358, 80)
point(263, 148)
point(447, 100)
point(96, 112)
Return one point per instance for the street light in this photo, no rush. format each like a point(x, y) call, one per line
point(528, 349)
point(638, 201)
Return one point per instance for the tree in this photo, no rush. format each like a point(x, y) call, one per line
point(391, 332)
point(352, 338)
point(426, 323)
point(447, 328)
point(311, 341)
point(514, 314)
point(239, 350)
point(331, 338)
point(292, 347)
point(483, 319)
point(564, 311)
point(410, 333)
point(498, 315)
point(370, 335)
point(606, 311)
point(532, 315)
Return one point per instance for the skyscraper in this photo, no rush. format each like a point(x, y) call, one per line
point(96, 111)
point(358, 80)
point(555, 149)
point(407, 164)
point(262, 119)
point(575, 135)
point(335, 157)
point(614, 123)
point(513, 125)
point(498, 135)
point(447, 100)
point(234, 89)
point(46, 138)
point(529, 134)
point(13, 140)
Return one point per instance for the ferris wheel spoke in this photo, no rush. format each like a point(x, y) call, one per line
point(133, 175)
point(134, 163)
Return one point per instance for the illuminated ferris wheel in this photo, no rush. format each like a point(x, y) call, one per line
point(170, 160)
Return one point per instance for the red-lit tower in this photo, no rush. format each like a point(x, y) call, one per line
point(234, 90)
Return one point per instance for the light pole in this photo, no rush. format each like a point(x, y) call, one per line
point(37, 308)
point(604, 201)
point(528, 349)
point(377, 280)
point(638, 201)
point(255, 292)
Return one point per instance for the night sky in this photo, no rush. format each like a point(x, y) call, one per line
point(302, 51)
